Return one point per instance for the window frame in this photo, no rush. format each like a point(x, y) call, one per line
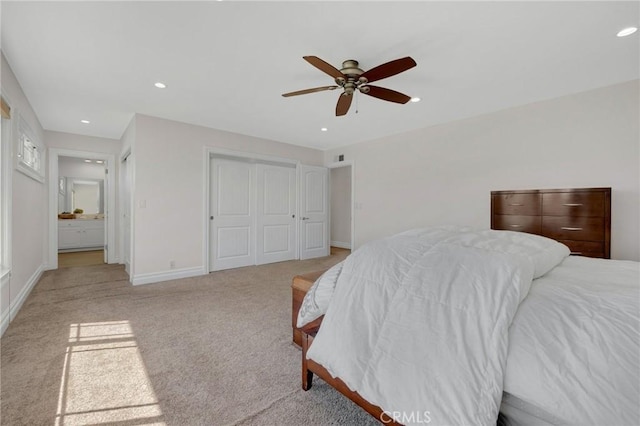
point(25, 136)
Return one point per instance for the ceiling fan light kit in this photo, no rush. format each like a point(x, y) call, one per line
point(351, 78)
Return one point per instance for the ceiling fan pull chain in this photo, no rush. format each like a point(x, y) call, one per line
point(357, 99)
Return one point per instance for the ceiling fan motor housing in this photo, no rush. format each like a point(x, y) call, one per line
point(353, 73)
point(350, 68)
point(349, 88)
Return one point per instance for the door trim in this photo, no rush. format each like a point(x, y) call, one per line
point(210, 152)
point(353, 197)
point(110, 201)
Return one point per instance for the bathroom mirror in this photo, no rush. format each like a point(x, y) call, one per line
point(81, 193)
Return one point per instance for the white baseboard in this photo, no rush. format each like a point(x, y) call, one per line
point(174, 274)
point(4, 315)
point(340, 244)
point(4, 322)
point(47, 267)
point(16, 304)
point(74, 250)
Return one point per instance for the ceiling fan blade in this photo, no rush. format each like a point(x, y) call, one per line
point(305, 91)
point(324, 67)
point(386, 94)
point(344, 102)
point(388, 69)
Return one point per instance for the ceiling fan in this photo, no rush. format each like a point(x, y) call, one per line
point(351, 78)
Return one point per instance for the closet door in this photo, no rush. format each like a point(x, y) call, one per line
point(232, 213)
point(276, 204)
point(314, 212)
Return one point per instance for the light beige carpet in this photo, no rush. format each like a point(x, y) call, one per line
point(89, 348)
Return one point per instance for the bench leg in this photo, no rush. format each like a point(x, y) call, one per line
point(307, 379)
point(307, 376)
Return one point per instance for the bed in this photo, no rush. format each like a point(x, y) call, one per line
point(524, 330)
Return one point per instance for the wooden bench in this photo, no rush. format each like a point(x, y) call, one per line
point(299, 287)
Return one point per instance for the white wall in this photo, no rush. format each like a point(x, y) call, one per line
point(74, 167)
point(29, 202)
point(70, 141)
point(341, 207)
point(169, 188)
point(444, 174)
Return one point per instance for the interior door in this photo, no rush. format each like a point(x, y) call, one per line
point(231, 239)
point(314, 212)
point(125, 188)
point(276, 207)
point(106, 210)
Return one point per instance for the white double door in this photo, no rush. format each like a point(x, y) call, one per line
point(252, 214)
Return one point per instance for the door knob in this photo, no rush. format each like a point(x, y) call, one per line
point(305, 218)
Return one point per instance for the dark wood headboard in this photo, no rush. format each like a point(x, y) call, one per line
point(577, 217)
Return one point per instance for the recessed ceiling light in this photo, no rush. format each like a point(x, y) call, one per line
point(160, 85)
point(415, 99)
point(627, 31)
point(324, 129)
point(87, 161)
point(99, 161)
point(85, 121)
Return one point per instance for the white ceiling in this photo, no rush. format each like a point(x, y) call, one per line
point(227, 63)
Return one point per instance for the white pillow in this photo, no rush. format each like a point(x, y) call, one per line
point(317, 299)
point(544, 252)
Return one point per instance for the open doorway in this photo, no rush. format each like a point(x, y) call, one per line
point(81, 211)
point(341, 220)
point(81, 230)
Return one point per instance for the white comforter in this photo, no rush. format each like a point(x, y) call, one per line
point(420, 326)
point(574, 349)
